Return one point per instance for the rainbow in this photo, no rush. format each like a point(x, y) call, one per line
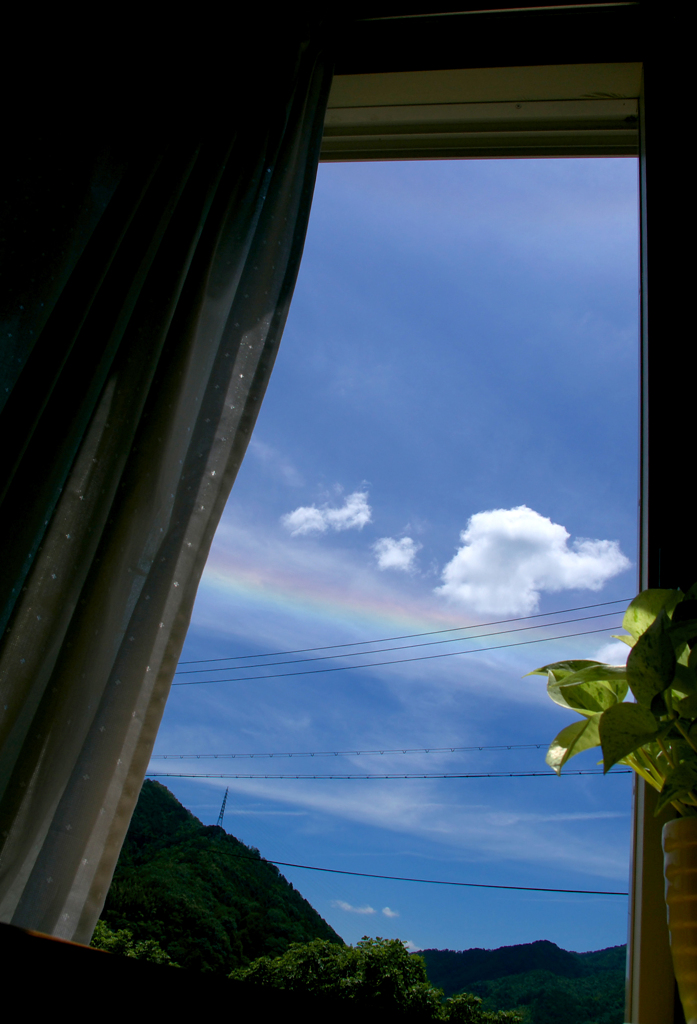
point(276, 590)
point(317, 605)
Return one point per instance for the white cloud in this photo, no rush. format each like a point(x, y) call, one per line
point(306, 519)
point(612, 653)
point(395, 554)
point(353, 514)
point(411, 946)
point(390, 913)
point(509, 555)
point(343, 905)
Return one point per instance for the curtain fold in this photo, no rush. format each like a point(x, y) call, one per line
point(136, 362)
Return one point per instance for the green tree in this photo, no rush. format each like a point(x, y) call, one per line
point(208, 900)
point(122, 943)
point(375, 975)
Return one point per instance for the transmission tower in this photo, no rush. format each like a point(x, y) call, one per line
point(222, 809)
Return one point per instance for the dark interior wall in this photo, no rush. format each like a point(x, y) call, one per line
point(67, 78)
point(409, 37)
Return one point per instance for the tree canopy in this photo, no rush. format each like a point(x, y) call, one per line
point(376, 975)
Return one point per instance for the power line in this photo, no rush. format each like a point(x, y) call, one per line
point(408, 775)
point(404, 647)
point(409, 636)
point(438, 881)
point(343, 753)
point(501, 10)
point(397, 661)
point(429, 881)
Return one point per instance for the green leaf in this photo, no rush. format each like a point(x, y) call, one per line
point(560, 669)
point(628, 640)
point(685, 679)
point(591, 697)
point(679, 782)
point(622, 729)
point(681, 750)
point(646, 606)
point(579, 698)
point(651, 661)
point(681, 632)
point(572, 740)
point(687, 707)
point(591, 690)
point(614, 676)
point(682, 653)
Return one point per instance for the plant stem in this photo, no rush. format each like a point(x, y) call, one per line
point(646, 774)
point(651, 766)
point(685, 734)
point(666, 753)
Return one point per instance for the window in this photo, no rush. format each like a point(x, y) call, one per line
point(463, 339)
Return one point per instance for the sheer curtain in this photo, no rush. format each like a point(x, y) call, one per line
point(150, 272)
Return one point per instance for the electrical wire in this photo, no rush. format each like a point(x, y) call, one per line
point(443, 775)
point(410, 636)
point(433, 881)
point(408, 775)
point(352, 753)
point(403, 647)
point(527, 9)
point(396, 661)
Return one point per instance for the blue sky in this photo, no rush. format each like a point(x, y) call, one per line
point(449, 438)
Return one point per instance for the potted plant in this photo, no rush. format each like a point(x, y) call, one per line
point(655, 734)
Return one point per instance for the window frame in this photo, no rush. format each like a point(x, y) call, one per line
point(447, 114)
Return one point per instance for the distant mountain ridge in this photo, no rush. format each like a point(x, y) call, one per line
point(545, 983)
point(209, 901)
point(453, 970)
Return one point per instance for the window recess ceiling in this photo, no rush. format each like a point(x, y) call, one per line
point(549, 110)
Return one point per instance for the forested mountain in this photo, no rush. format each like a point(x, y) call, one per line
point(547, 984)
point(209, 901)
point(203, 899)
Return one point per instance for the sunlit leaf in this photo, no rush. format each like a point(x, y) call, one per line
point(591, 690)
point(628, 640)
point(560, 669)
point(572, 740)
point(682, 652)
point(574, 700)
point(646, 606)
point(651, 662)
point(623, 728)
point(613, 676)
